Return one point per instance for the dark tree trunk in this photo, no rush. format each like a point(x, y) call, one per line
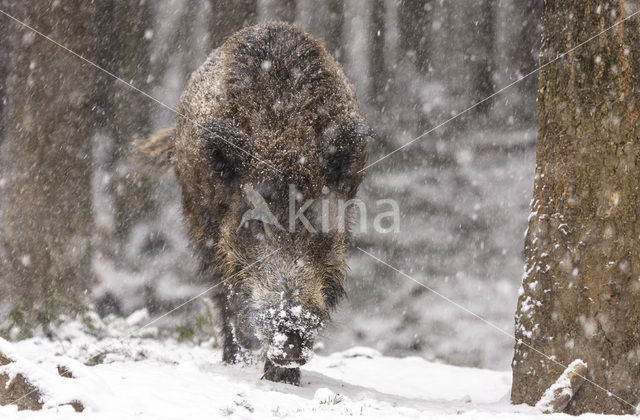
point(378, 57)
point(4, 64)
point(45, 163)
point(180, 44)
point(414, 24)
point(480, 54)
point(227, 16)
point(323, 20)
point(522, 49)
point(276, 10)
point(581, 295)
point(411, 29)
point(124, 115)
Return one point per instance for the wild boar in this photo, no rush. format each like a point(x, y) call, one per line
point(269, 118)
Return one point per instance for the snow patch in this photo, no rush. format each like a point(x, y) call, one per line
point(365, 352)
point(137, 317)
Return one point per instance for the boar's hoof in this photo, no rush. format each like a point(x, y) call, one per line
point(280, 374)
point(231, 354)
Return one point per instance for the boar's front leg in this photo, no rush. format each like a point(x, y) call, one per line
point(231, 352)
point(280, 374)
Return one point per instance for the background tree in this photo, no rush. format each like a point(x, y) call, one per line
point(378, 61)
point(227, 16)
point(45, 163)
point(123, 114)
point(480, 56)
point(4, 67)
point(517, 46)
point(581, 295)
point(414, 25)
point(121, 196)
point(272, 10)
point(324, 20)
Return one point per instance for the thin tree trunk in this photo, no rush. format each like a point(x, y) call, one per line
point(4, 65)
point(414, 24)
point(124, 115)
point(377, 55)
point(409, 54)
point(324, 20)
point(581, 294)
point(228, 16)
point(276, 10)
point(519, 48)
point(45, 164)
point(179, 46)
point(357, 48)
point(480, 54)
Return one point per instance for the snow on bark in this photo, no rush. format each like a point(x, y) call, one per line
point(558, 395)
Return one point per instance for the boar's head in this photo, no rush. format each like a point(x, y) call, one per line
point(283, 237)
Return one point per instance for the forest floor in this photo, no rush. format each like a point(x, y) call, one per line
point(145, 377)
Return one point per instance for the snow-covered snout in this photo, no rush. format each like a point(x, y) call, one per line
point(285, 294)
point(289, 333)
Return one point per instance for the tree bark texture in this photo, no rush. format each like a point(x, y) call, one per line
point(45, 193)
point(581, 289)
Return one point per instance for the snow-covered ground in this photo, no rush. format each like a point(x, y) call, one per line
point(151, 378)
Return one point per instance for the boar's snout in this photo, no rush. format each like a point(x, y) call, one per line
point(289, 349)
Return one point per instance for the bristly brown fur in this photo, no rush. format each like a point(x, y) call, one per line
point(269, 108)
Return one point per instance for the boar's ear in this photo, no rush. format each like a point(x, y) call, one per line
point(344, 155)
point(226, 148)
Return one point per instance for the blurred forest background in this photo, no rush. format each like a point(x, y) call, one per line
point(78, 225)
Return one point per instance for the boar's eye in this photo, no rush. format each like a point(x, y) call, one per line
point(221, 166)
point(225, 147)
